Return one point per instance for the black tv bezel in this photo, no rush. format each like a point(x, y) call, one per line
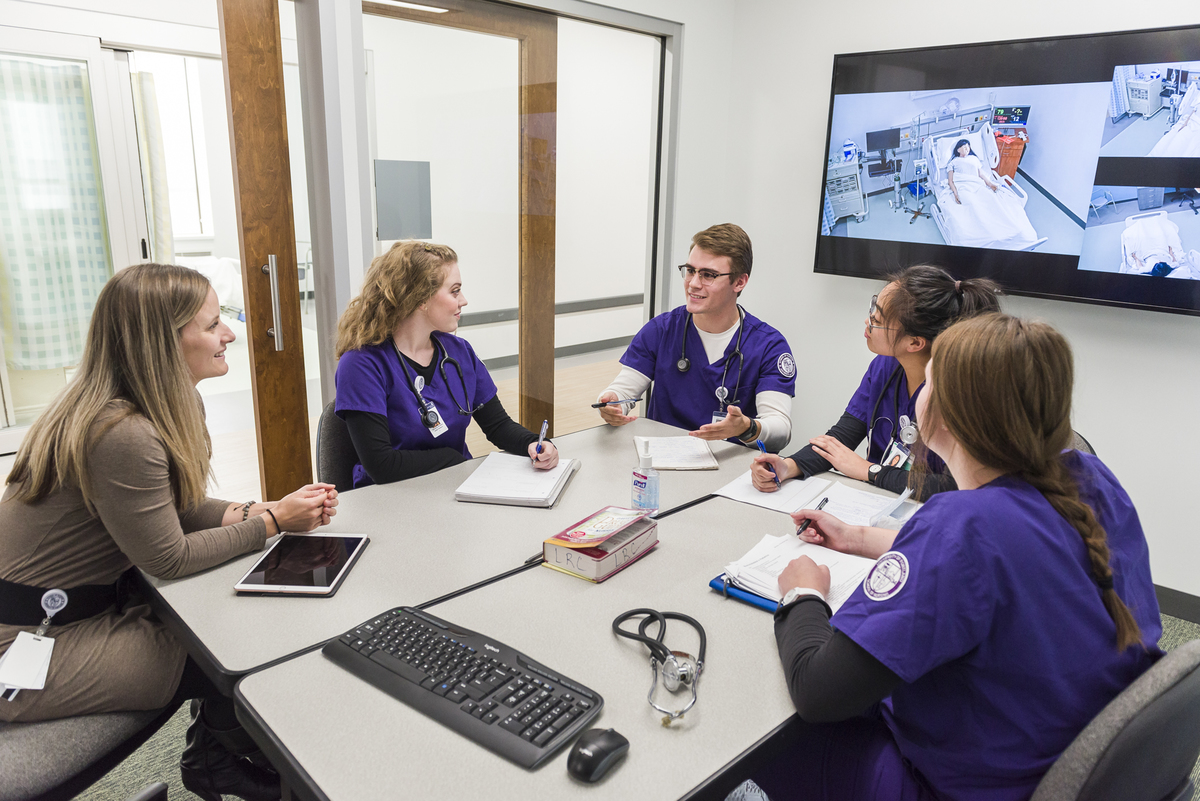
point(1078, 58)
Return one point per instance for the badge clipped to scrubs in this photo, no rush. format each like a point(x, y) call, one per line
point(721, 413)
point(25, 664)
point(429, 411)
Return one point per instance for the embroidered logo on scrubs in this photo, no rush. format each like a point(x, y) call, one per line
point(787, 365)
point(887, 577)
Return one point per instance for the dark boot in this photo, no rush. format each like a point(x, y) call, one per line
point(214, 764)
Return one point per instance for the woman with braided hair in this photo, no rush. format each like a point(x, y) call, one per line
point(998, 622)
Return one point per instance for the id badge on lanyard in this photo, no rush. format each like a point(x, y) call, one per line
point(722, 408)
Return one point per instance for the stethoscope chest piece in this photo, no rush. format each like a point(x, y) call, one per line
point(908, 430)
point(684, 364)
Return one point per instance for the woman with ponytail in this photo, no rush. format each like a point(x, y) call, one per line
point(997, 622)
point(904, 320)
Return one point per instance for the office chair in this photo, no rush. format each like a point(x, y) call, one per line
point(1142, 746)
point(336, 456)
point(1080, 444)
point(58, 759)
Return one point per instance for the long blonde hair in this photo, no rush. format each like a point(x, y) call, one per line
point(1002, 387)
point(396, 284)
point(132, 355)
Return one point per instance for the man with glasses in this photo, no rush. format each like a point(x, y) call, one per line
point(717, 370)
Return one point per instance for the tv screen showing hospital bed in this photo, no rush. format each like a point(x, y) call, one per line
point(1073, 174)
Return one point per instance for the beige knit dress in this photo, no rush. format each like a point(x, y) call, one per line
point(124, 659)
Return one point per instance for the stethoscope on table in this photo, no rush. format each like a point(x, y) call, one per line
point(684, 364)
point(679, 669)
point(429, 415)
point(908, 428)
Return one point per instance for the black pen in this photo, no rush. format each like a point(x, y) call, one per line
point(804, 526)
point(614, 403)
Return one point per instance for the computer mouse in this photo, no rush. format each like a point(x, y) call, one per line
point(594, 753)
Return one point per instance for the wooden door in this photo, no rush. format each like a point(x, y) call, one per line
point(253, 61)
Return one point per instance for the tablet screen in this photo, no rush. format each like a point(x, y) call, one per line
point(309, 563)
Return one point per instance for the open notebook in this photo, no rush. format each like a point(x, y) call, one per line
point(511, 480)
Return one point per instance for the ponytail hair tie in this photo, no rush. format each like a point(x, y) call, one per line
point(958, 287)
point(1105, 583)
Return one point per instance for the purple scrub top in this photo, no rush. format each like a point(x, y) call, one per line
point(371, 379)
point(688, 400)
point(987, 609)
point(886, 382)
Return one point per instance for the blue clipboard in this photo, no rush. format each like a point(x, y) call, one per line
point(729, 591)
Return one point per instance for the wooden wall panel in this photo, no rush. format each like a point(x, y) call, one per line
point(253, 61)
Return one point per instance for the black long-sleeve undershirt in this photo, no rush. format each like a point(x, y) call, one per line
point(850, 431)
point(373, 443)
point(829, 676)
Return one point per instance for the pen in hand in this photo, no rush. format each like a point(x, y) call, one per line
point(807, 521)
point(613, 403)
point(542, 435)
point(763, 448)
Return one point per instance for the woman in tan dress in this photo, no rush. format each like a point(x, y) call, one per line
point(112, 476)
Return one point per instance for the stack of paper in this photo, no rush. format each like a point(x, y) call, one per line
point(677, 453)
point(512, 480)
point(758, 571)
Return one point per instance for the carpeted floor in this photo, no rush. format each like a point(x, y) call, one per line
point(158, 759)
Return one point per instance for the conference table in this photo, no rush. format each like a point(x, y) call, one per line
point(334, 736)
point(424, 545)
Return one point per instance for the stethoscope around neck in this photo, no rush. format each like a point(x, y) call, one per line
point(907, 429)
point(678, 668)
point(429, 415)
point(684, 364)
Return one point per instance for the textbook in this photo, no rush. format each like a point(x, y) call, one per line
point(511, 480)
point(611, 556)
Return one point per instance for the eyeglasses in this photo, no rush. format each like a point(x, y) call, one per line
point(706, 276)
point(871, 326)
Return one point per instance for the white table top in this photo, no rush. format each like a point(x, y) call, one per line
point(424, 545)
point(565, 623)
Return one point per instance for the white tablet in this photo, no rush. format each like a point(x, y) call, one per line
point(303, 564)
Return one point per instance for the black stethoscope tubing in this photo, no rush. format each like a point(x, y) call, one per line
point(684, 364)
point(445, 357)
point(657, 648)
point(895, 407)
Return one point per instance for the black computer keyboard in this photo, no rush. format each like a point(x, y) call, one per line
point(481, 688)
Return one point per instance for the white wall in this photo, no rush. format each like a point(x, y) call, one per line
point(1137, 372)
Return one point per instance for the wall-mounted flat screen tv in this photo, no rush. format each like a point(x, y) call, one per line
point(1064, 168)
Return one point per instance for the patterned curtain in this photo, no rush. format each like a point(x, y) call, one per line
point(53, 232)
point(1118, 94)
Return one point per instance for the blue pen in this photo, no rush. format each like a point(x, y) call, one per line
point(542, 435)
point(763, 448)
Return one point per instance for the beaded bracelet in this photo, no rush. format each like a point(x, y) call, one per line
point(246, 509)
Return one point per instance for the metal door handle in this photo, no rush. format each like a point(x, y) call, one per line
point(271, 268)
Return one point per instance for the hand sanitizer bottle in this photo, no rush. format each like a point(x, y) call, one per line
point(645, 483)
